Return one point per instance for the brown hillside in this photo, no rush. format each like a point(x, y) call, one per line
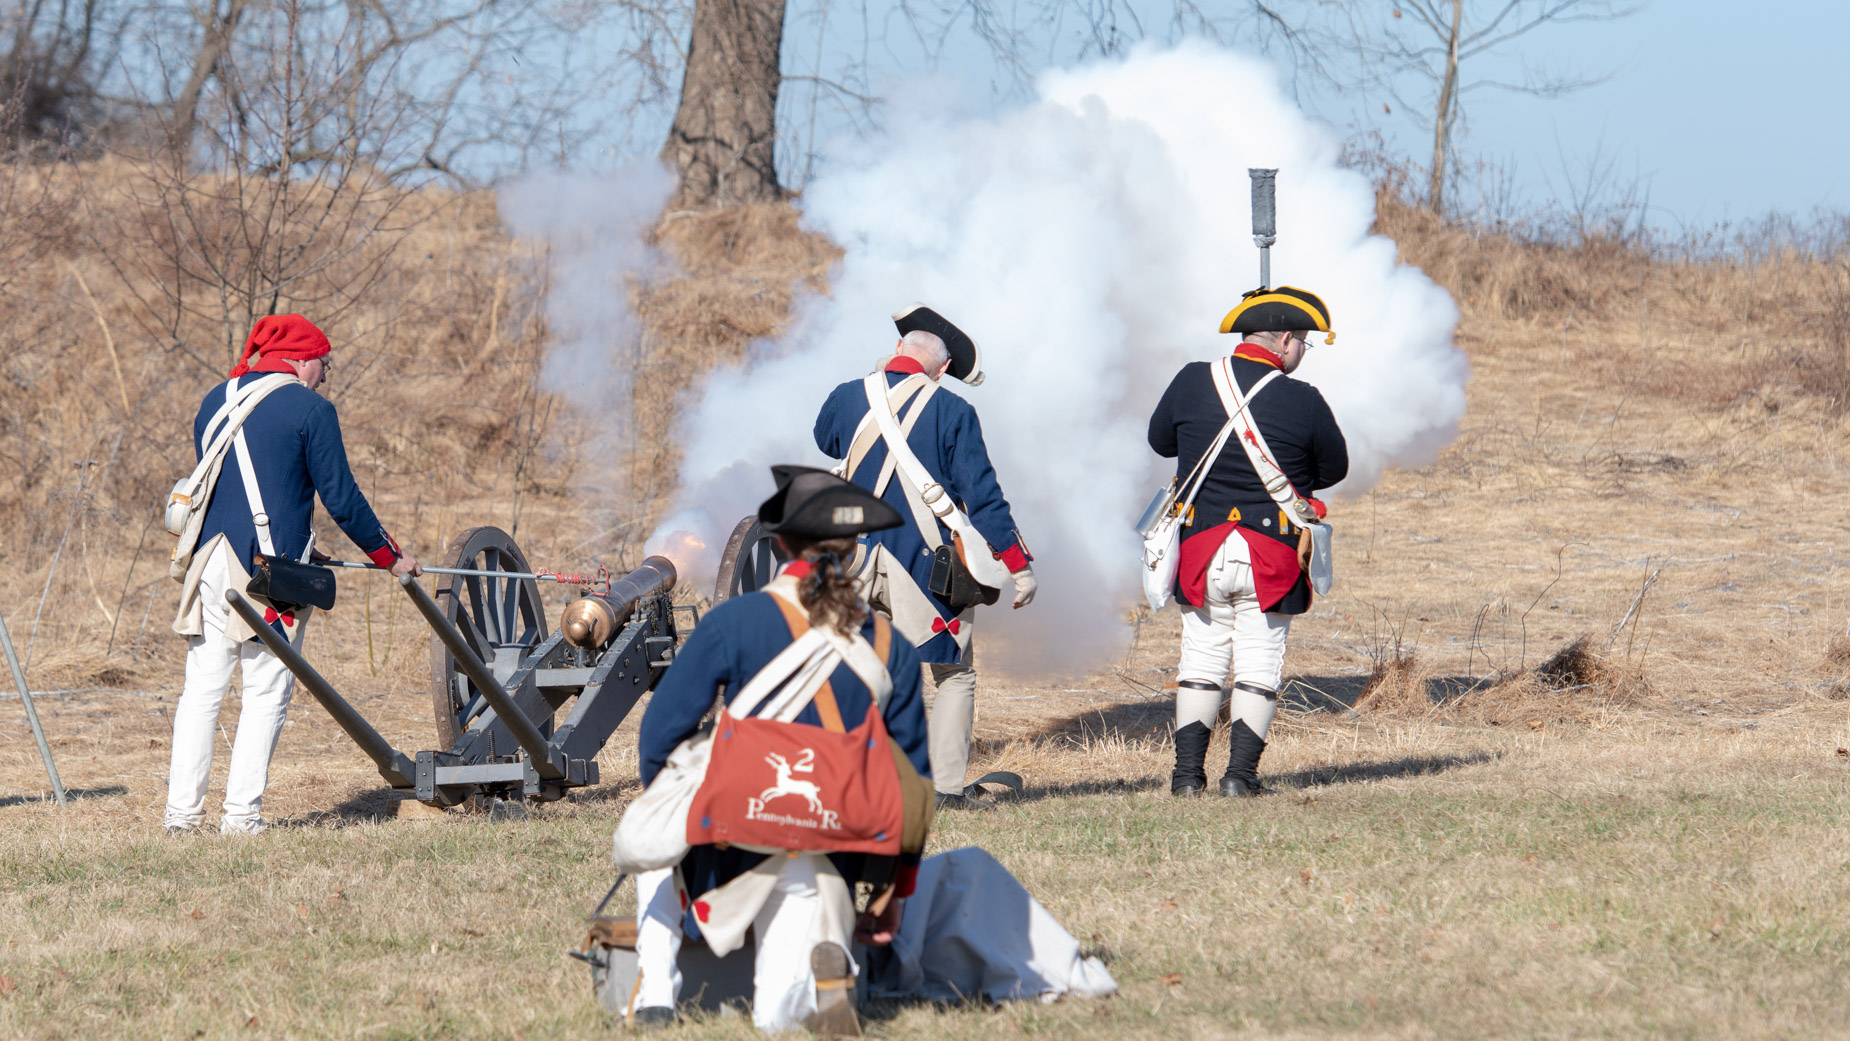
point(1628, 412)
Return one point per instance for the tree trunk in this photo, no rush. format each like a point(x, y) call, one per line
point(1442, 118)
point(725, 132)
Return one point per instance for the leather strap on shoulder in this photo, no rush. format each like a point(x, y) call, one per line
point(824, 699)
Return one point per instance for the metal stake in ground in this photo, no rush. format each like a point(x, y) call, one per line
point(32, 713)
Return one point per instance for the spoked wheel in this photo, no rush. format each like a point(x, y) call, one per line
point(501, 619)
point(750, 561)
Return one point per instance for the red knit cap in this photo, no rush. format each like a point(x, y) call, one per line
point(278, 339)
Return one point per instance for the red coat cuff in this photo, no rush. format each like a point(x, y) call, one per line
point(907, 882)
point(385, 556)
point(1014, 558)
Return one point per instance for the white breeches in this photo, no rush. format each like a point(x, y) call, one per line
point(266, 689)
point(1231, 633)
point(809, 904)
point(658, 940)
point(953, 715)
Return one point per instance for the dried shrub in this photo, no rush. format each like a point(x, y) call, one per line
point(1397, 688)
point(1575, 684)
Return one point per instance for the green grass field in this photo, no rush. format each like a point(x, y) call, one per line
point(1414, 880)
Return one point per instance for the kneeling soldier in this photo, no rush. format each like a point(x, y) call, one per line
point(801, 903)
point(1239, 578)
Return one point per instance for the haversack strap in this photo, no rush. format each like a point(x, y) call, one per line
point(254, 495)
point(826, 708)
point(1277, 484)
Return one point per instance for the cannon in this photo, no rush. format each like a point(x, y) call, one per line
point(500, 678)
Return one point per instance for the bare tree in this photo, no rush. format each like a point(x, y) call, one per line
point(728, 134)
point(1417, 52)
point(49, 67)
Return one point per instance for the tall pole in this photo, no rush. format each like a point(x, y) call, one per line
point(32, 713)
point(1265, 219)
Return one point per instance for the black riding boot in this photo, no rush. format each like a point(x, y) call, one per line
point(1242, 777)
point(1191, 774)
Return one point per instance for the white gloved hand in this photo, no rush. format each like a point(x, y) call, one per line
point(1025, 587)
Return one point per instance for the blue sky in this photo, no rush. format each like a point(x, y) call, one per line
point(1724, 110)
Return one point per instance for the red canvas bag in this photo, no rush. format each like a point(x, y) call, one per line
point(773, 785)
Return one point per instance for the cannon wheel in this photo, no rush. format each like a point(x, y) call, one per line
point(502, 619)
point(751, 559)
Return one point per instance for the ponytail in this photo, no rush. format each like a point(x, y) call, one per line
point(827, 593)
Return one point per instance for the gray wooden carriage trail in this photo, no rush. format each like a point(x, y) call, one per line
point(500, 677)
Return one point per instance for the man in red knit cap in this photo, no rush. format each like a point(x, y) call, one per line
point(287, 449)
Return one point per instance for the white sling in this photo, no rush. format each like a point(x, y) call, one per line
point(1162, 543)
point(186, 504)
point(1277, 485)
point(929, 500)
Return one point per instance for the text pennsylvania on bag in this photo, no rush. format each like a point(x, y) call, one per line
point(768, 784)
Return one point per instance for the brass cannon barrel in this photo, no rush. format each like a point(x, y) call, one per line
point(591, 621)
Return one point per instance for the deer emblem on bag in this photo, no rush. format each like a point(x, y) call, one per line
point(788, 785)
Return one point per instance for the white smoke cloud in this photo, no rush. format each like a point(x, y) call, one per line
point(1090, 240)
point(596, 228)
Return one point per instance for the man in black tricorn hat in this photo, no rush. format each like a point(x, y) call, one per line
point(959, 546)
point(1240, 576)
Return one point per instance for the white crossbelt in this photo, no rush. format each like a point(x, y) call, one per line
point(1277, 485)
point(800, 670)
point(928, 499)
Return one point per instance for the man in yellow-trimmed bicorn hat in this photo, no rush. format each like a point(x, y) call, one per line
point(1240, 577)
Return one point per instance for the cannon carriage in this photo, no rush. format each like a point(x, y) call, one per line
point(522, 709)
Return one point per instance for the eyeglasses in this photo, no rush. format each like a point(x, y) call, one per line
point(327, 366)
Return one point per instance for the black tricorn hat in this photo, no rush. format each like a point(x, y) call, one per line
point(966, 357)
point(815, 504)
point(1283, 310)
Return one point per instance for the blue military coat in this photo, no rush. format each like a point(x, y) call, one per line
point(948, 440)
point(296, 448)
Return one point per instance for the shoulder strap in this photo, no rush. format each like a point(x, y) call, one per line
point(825, 694)
point(1277, 484)
point(791, 680)
point(868, 431)
point(926, 389)
point(254, 495)
point(230, 417)
point(883, 638)
point(1232, 401)
point(926, 497)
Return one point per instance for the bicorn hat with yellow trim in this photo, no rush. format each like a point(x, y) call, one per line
point(966, 356)
point(1282, 310)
